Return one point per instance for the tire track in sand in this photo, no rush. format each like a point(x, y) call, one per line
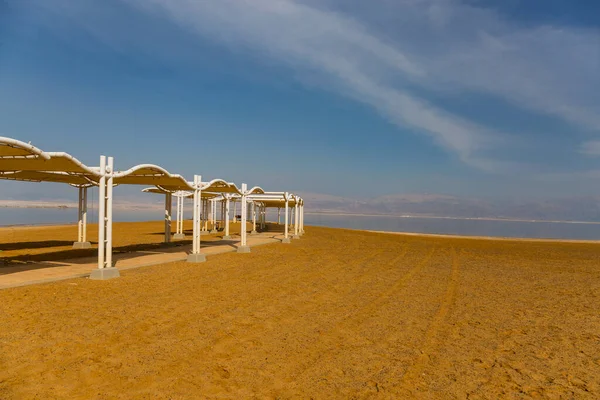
point(324, 348)
point(431, 342)
point(224, 342)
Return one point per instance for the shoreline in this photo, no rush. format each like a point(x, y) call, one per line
point(432, 235)
point(136, 207)
point(557, 221)
point(499, 238)
point(69, 206)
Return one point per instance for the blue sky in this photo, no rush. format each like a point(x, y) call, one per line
point(344, 97)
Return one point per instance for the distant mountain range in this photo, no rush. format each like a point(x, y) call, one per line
point(433, 205)
point(565, 209)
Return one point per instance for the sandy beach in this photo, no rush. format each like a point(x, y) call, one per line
point(336, 314)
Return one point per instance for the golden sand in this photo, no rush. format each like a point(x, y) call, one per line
point(336, 314)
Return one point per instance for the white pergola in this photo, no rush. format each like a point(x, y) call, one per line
point(20, 161)
point(210, 200)
point(181, 195)
point(286, 201)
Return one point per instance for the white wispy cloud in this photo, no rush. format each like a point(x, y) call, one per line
point(387, 54)
point(435, 44)
point(350, 59)
point(591, 148)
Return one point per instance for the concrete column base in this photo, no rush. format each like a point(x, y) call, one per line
point(102, 274)
point(254, 233)
point(214, 231)
point(82, 245)
point(286, 240)
point(296, 237)
point(227, 237)
point(204, 232)
point(196, 258)
point(179, 236)
point(243, 249)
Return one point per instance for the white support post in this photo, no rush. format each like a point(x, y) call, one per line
point(168, 212)
point(243, 247)
point(204, 215)
point(84, 218)
point(221, 213)
point(109, 211)
point(196, 256)
point(278, 215)
point(178, 221)
point(227, 236)
point(286, 238)
point(302, 218)
point(179, 229)
point(210, 212)
point(207, 214)
point(102, 213)
point(105, 218)
point(80, 216)
point(234, 211)
point(223, 216)
point(263, 215)
point(296, 235)
point(82, 242)
point(181, 216)
point(253, 219)
point(215, 216)
point(213, 213)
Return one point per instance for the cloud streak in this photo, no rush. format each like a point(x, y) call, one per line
point(393, 55)
point(435, 45)
point(591, 148)
point(341, 50)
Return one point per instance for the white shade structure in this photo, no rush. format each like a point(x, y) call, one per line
point(286, 201)
point(180, 195)
point(20, 161)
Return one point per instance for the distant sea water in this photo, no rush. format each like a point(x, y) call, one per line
point(466, 227)
point(49, 216)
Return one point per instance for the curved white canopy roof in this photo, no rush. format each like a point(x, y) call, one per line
point(276, 199)
point(277, 203)
point(23, 162)
point(18, 159)
point(209, 190)
point(256, 190)
point(187, 194)
point(43, 176)
point(12, 148)
point(220, 186)
point(149, 174)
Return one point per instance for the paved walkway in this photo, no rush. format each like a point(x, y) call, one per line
point(49, 271)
